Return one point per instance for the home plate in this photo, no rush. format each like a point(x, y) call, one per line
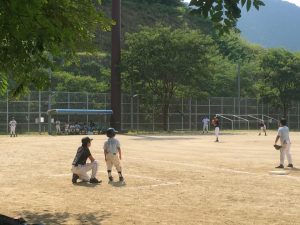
point(279, 172)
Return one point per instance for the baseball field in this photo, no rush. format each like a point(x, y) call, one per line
point(175, 179)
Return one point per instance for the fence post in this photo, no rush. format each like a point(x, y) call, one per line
point(169, 118)
point(68, 107)
point(28, 114)
point(196, 116)
point(138, 115)
point(40, 114)
point(153, 114)
point(182, 114)
point(298, 116)
point(49, 107)
point(190, 114)
point(87, 107)
point(209, 107)
point(131, 112)
point(122, 105)
point(7, 111)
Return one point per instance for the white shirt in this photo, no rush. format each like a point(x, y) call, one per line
point(111, 145)
point(205, 121)
point(283, 132)
point(13, 123)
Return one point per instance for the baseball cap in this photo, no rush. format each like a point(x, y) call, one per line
point(86, 140)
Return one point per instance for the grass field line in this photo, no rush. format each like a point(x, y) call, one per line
point(155, 185)
point(217, 169)
point(125, 175)
point(131, 175)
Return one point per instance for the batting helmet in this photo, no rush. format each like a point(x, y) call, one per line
point(111, 132)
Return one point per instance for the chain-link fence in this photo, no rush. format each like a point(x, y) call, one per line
point(139, 112)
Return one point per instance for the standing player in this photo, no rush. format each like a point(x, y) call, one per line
point(79, 165)
point(113, 154)
point(57, 126)
point(13, 125)
point(205, 122)
point(262, 127)
point(283, 135)
point(215, 122)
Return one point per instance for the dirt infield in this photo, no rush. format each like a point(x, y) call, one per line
point(169, 180)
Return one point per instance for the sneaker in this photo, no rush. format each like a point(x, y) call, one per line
point(75, 178)
point(290, 165)
point(280, 166)
point(111, 179)
point(95, 181)
point(217, 140)
point(121, 179)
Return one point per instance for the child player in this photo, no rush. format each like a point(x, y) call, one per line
point(215, 122)
point(262, 127)
point(113, 154)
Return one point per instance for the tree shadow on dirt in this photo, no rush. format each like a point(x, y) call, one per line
point(46, 218)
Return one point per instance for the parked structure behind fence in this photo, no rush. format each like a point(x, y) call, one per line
point(139, 113)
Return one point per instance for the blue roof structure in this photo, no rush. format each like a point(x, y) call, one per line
point(80, 111)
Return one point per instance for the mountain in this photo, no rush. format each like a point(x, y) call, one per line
point(274, 25)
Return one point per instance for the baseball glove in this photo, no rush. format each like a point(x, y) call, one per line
point(277, 147)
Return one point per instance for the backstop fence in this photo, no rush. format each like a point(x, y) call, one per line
point(139, 113)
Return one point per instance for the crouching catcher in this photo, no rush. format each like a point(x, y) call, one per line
point(79, 165)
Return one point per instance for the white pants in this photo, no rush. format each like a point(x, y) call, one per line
point(205, 127)
point(81, 170)
point(12, 130)
point(285, 151)
point(113, 160)
point(57, 129)
point(217, 132)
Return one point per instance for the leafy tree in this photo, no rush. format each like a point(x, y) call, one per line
point(223, 13)
point(280, 83)
point(163, 61)
point(69, 82)
point(33, 31)
point(238, 51)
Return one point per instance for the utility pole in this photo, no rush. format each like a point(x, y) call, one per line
point(115, 120)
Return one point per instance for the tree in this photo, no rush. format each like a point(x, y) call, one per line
point(71, 83)
point(238, 51)
point(280, 83)
point(223, 13)
point(163, 61)
point(35, 31)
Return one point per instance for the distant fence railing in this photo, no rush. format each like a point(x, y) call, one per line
point(139, 113)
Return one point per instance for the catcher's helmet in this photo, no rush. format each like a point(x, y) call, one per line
point(111, 132)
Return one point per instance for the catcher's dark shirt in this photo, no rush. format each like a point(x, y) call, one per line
point(81, 156)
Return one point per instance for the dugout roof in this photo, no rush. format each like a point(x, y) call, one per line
point(79, 112)
point(75, 112)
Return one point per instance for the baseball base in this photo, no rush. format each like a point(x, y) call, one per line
point(279, 172)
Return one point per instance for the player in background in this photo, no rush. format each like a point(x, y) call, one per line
point(57, 126)
point(262, 128)
point(283, 135)
point(215, 122)
point(113, 154)
point(13, 126)
point(79, 165)
point(205, 122)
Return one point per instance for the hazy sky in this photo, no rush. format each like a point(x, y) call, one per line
point(296, 2)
